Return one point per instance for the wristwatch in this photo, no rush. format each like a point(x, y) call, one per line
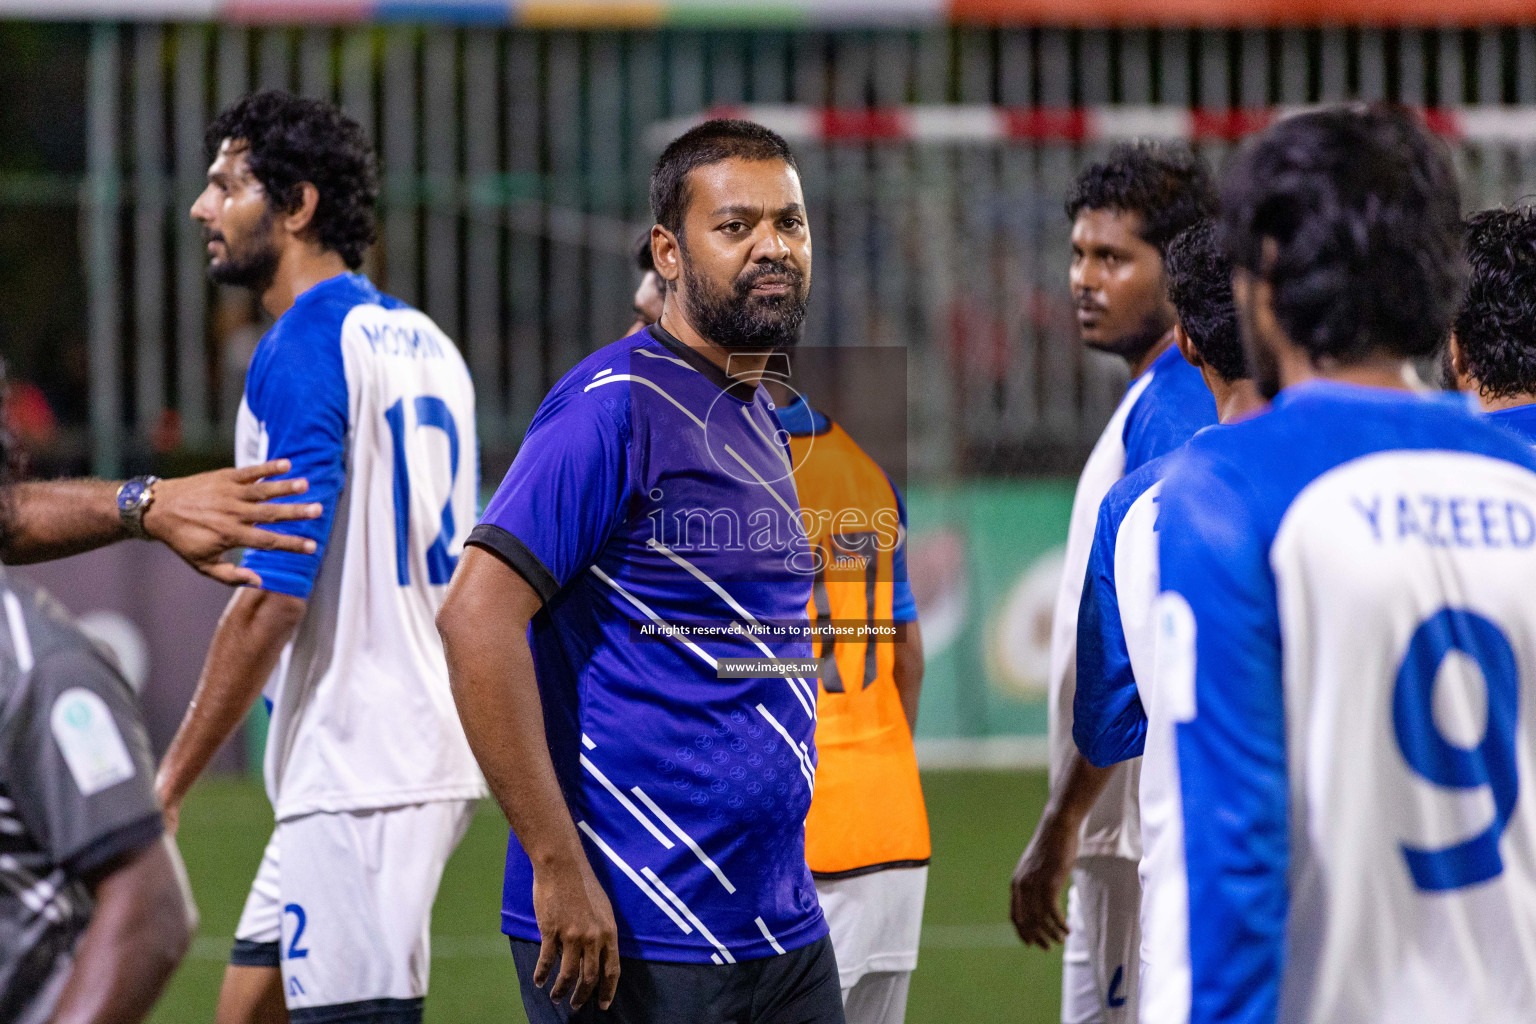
point(133, 500)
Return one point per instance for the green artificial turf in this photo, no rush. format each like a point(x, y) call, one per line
point(971, 969)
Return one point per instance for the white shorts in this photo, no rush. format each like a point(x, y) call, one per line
point(1102, 961)
point(876, 921)
point(342, 904)
point(878, 998)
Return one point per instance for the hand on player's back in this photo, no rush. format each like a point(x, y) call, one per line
point(576, 926)
point(1034, 903)
point(201, 517)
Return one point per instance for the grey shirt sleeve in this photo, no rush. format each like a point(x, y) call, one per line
point(79, 766)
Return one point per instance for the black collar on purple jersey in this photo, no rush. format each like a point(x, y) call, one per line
point(737, 389)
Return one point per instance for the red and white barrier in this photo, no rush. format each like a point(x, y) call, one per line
point(960, 124)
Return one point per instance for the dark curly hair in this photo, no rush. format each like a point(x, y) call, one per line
point(709, 143)
point(290, 140)
point(1362, 210)
point(1496, 325)
point(1168, 185)
point(1200, 288)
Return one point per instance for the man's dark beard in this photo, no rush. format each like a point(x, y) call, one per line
point(252, 267)
point(734, 318)
point(1131, 347)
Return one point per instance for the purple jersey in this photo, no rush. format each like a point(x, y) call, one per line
point(652, 489)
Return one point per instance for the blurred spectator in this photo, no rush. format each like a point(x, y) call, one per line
point(27, 415)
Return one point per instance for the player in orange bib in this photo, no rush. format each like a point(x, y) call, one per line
point(866, 838)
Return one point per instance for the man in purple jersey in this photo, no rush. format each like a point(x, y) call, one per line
point(1492, 352)
point(657, 791)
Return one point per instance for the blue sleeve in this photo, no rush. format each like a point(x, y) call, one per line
point(1221, 670)
point(1174, 408)
point(903, 604)
point(297, 390)
point(562, 497)
point(1108, 723)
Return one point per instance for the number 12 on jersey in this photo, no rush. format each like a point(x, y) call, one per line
point(431, 412)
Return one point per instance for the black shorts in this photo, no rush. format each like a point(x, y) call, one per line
point(798, 987)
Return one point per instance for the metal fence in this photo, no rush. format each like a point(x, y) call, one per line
point(515, 167)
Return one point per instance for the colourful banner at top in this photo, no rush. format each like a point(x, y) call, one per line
point(793, 13)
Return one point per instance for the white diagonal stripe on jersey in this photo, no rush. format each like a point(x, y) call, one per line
point(666, 820)
point(642, 883)
point(50, 892)
point(629, 805)
point(689, 413)
point(690, 915)
point(746, 412)
point(805, 769)
point(703, 578)
point(670, 359)
point(6, 804)
point(759, 478)
point(762, 926)
point(714, 958)
point(586, 741)
point(650, 384)
point(10, 826)
point(632, 599)
point(20, 640)
point(39, 895)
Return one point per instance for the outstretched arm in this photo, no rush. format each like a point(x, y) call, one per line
point(245, 648)
point(484, 625)
point(140, 929)
point(199, 517)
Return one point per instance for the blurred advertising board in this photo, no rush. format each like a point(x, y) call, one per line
point(984, 558)
point(790, 13)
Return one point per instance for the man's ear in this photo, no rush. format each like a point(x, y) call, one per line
point(666, 253)
point(1255, 299)
point(1187, 347)
point(1457, 360)
point(298, 220)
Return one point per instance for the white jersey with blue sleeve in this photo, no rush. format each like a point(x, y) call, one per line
point(1119, 714)
point(1114, 622)
point(371, 403)
point(1162, 409)
point(1347, 641)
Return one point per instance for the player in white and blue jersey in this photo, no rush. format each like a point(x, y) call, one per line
point(658, 797)
point(1116, 713)
point(1124, 212)
point(367, 767)
point(1346, 637)
point(1492, 352)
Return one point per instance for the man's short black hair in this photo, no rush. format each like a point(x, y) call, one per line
point(1359, 209)
point(290, 140)
point(709, 143)
point(1200, 288)
point(1168, 185)
point(645, 260)
point(1496, 326)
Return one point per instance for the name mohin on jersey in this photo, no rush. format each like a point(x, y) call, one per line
point(1446, 521)
point(397, 340)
